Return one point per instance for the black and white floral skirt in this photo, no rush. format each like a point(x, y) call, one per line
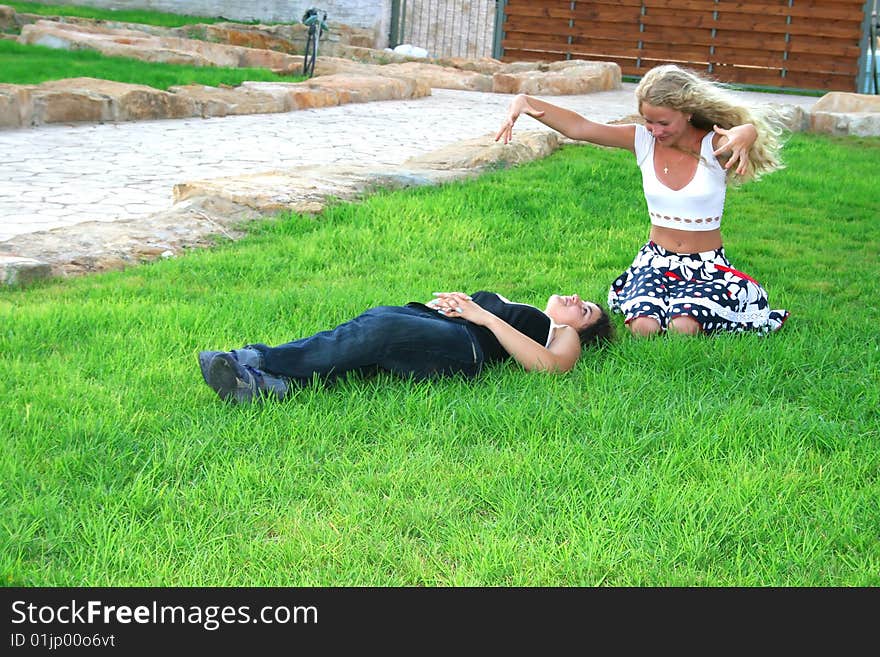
point(662, 285)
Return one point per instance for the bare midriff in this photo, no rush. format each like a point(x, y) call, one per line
point(686, 241)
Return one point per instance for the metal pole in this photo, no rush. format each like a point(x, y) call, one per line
point(868, 55)
point(394, 31)
point(498, 32)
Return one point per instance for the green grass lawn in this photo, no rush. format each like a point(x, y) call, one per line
point(27, 64)
point(737, 460)
point(118, 15)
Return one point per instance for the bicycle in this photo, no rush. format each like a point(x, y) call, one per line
point(317, 24)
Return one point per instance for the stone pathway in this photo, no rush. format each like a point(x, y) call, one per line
point(57, 177)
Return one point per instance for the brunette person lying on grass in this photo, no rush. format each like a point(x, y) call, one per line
point(453, 334)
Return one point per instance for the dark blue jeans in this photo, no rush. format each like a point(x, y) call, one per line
point(409, 342)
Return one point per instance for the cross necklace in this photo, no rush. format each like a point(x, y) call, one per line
point(680, 159)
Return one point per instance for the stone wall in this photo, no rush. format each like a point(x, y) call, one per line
point(371, 14)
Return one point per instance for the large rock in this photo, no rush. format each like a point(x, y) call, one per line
point(434, 75)
point(94, 100)
point(843, 113)
point(147, 47)
point(339, 89)
point(98, 246)
point(441, 77)
point(841, 101)
point(362, 88)
point(91, 99)
point(484, 65)
point(570, 77)
point(283, 37)
point(7, 18)
point(17, 270)
point(225, 101)
point(14, 105)
point(484, 152)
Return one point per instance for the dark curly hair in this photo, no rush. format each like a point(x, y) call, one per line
point(599, 332)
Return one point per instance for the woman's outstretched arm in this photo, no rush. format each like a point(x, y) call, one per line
point(565, 121)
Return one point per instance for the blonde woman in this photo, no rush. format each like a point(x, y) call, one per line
point(695, 142)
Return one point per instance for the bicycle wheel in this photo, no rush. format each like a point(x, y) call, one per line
point(311, 53)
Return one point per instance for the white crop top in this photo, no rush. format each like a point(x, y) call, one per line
point(696, 206)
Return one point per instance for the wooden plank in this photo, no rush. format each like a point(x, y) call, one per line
point(564, 9)
point(530, 56)
point(764, 76)
point(542, 13)
point(707, 21)
point(607, 14)
point(756, 23)
point(829, 47)
point(774, 78)
point(819, 64)
point(671, 35)
point(565, 27)
point(662, 50)
point(765, 58)
point(752, 23)
point(822, 10)
point(734, 39)
point(610, 31)
point(600, 30)
point(519, 47)
point(844, 29)
point(530, 22)
point(649, 63)
point(682, 21)
point(629, 68)
point(518, 43)
point(539, 8)
point(611, 47)
point(825, 3)
point(749, 42)
point(769, 60)
point(827, 81)
point(681, 5)
point(828, 29)
point(531, 26)
point(620, 61)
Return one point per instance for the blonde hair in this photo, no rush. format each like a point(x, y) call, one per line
point(709, 103)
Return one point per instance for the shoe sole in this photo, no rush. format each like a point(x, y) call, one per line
point(205, 358)
point(223, 377)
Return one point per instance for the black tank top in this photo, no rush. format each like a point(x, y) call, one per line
point(526, 319)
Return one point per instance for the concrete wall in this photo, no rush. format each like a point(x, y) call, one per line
point(370, 14)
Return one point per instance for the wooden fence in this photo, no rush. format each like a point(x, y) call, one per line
point(802, 44)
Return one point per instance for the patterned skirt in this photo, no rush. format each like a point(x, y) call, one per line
point(662, 285)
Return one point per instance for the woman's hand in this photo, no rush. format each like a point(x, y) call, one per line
point(736, 143)
point(459, 304)
point(519, 105)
